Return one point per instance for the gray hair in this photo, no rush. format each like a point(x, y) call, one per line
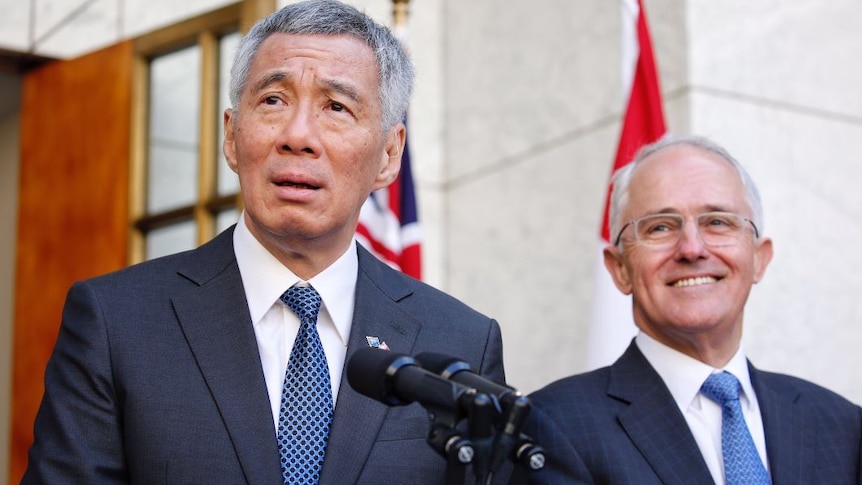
point(330, 18)
point(623, 178)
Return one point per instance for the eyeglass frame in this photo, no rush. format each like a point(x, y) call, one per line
point(684, 220)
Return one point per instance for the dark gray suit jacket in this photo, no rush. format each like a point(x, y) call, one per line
point(156, 378)
point(620, 425)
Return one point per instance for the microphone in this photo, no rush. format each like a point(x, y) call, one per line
point(397, 380)
point(508, 441)
point(456, 370)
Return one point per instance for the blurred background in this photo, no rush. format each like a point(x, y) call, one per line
point(110, 119)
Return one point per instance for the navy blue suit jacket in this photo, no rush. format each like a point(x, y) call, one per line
point(620, 425)
point(156, 378)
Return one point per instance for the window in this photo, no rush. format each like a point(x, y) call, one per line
point(183, 193)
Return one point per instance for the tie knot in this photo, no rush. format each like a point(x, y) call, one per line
point(304, 301)
point(721, 387)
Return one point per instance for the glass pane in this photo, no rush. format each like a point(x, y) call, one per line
point(173, 133)
point(172, 239)
point(226, 219)
point(228, 183)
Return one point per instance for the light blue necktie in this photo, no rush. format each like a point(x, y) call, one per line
point(742, 464)
point(306, 399)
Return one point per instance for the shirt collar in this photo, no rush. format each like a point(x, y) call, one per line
point(337, 288)
point(683, 375)
point(265, 279)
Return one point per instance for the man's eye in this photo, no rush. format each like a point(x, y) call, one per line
point(659, 227)
point(271, 100)
point(337, 107)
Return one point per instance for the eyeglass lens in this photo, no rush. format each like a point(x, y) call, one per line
point(714, 228)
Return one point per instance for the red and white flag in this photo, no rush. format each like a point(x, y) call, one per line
point(611, 325)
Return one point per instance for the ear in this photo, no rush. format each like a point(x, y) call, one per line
point(762, 257)
point(390, 159)
point(616, 266)
point(229, 145)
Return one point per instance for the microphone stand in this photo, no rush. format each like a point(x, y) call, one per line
point(481, 422)
point(447, 440)
point(511, 444)
point(493, 438)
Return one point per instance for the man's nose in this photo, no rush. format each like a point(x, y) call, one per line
point(690, 245)
point(299, 131)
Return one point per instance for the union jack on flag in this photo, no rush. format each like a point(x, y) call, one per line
point(389, 224)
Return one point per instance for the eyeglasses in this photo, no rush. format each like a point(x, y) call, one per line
point(665, 230)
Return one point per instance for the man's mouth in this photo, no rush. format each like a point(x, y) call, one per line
point(700, 280)
point(296, 184)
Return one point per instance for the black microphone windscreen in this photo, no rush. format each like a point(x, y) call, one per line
point(459, 371)
point(370, 372)
point(444, 365)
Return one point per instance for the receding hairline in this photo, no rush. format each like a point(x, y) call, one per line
point(705, 153)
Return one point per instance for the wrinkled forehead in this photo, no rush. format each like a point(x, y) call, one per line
point(685, 179)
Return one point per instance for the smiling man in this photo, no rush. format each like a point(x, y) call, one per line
point(225, 364)
point(683, 405)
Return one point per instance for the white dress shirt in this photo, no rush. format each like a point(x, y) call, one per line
point(265, 279)
point(683, 376)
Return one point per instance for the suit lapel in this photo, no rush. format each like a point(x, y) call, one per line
point(787, 438)
point(358, 418)
point(215, 321)
point(654, 423)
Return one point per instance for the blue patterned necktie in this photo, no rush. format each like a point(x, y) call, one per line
point(306, 399)
point(742, 464)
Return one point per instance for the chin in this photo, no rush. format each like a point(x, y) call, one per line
point(697, 322)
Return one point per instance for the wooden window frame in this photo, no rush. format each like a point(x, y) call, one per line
point(205, 32)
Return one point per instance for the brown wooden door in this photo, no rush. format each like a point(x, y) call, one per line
point(73, 208)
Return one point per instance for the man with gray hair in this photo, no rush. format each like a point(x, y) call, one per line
point(683, 405)
point(225, 364)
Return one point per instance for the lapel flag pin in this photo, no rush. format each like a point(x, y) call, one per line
point(376, 343)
